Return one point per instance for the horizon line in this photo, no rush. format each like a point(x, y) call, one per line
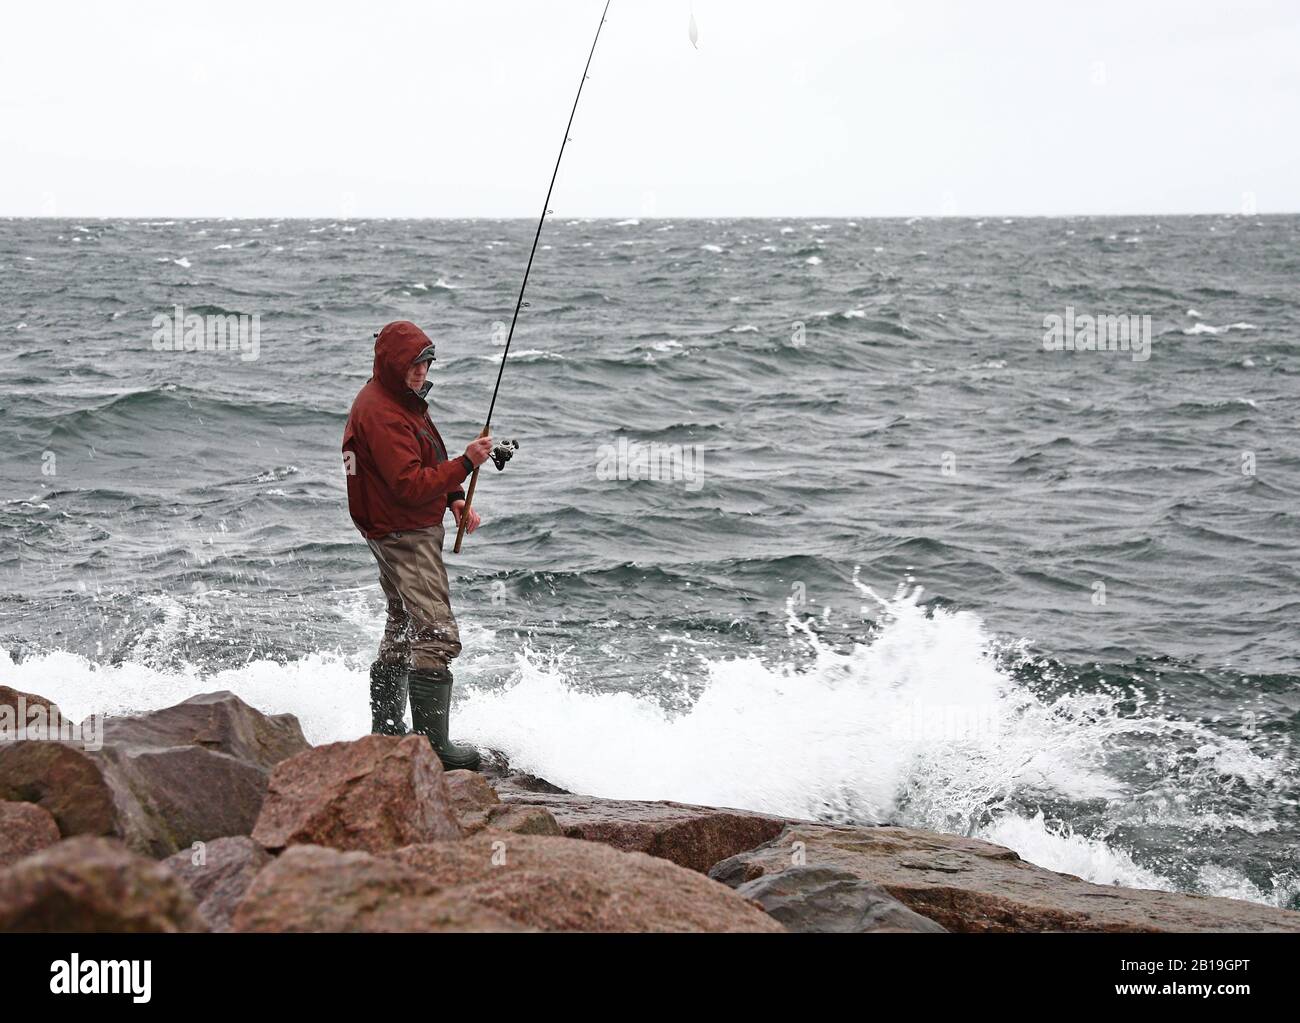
point(641, 218)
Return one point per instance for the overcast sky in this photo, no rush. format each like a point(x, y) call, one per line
point(799, 108)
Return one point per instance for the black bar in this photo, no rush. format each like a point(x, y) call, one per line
point(611, 975)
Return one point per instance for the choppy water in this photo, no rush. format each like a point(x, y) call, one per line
point(176, 522)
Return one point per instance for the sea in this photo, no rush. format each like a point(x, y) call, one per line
point(987, 526)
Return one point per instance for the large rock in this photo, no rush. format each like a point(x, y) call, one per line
point(311, 889)
point(93, 885)
point(157, 801)
point(25, 828)
point(968, 885)
point(80, 791)
point(218, 875)
point(477, 807)
point(190, 794)
point(376, 793)
point(470, 793)
point(161, 780)
point(216, 721)
point(695, 837)
point(564, 884)
point(825, 900)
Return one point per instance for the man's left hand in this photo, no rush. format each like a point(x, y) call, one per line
point(458, 508)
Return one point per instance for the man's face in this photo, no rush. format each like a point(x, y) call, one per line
point(416, 375)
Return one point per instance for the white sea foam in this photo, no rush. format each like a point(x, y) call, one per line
point(325, 691)
point(849, 737)
point(1059, 848)
point(1219, 880)
point(1205, 328)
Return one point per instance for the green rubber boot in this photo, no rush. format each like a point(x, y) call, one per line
point(431, 715)
point(387, 698)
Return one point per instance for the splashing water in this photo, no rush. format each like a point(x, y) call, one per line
point(922, 724)
point(919, 723)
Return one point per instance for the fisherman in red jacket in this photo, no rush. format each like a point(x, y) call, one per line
point(400, 484)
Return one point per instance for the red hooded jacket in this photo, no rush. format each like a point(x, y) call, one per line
point(399, 476)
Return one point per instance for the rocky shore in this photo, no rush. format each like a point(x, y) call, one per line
point(211, 816)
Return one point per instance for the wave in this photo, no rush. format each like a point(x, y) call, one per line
point(159, 407)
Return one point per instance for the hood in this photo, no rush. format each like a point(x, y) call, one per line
point(397, 347)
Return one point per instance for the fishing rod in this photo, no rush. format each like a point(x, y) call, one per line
point(501, 458)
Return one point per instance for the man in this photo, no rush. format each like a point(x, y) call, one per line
point(400, 484)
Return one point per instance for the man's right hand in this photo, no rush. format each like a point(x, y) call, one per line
point(479, 450)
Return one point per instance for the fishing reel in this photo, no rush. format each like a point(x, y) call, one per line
point(503, 452)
